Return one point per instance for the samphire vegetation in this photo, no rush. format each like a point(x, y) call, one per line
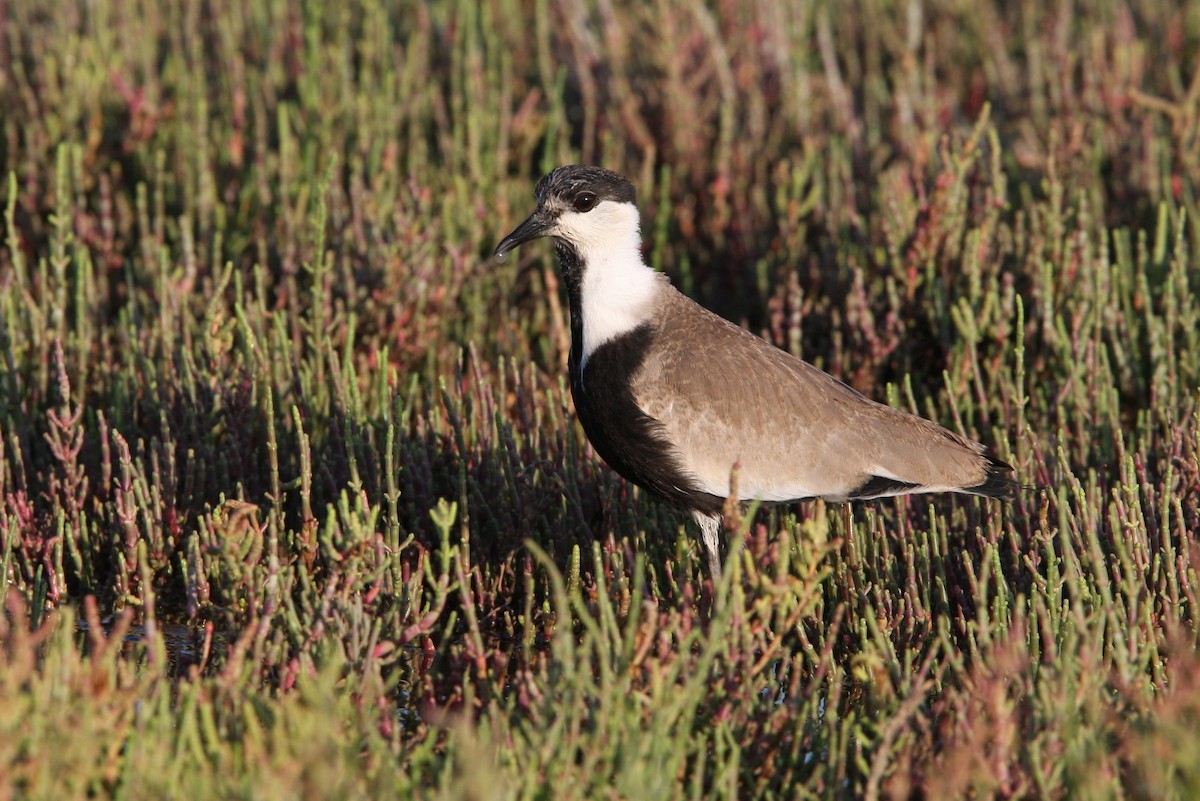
point(292, 500)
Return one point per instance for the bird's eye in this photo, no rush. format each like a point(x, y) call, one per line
point(585, 201)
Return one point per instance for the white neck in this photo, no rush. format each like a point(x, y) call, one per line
point(618, 288)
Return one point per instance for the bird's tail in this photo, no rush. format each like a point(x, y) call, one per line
point(998, 482)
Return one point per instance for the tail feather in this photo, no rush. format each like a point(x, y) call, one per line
point(999, 481)
point(882, 487)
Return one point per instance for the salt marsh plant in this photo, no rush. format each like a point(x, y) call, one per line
point(292, 499)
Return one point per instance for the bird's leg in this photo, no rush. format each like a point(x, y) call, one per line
point(710, 535)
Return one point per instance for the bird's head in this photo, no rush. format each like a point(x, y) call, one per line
point(590, 208)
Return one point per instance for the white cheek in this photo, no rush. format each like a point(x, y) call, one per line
point(618, 289)
point(609, 226)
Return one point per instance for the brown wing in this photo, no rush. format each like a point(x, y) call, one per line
point(725, 396)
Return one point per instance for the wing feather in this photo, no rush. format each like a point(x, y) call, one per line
point(726, 396)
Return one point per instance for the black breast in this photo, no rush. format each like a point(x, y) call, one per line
point(629, 440)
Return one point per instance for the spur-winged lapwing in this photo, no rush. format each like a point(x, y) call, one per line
point(673, 396)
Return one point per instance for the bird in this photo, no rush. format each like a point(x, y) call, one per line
point(673, 396)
